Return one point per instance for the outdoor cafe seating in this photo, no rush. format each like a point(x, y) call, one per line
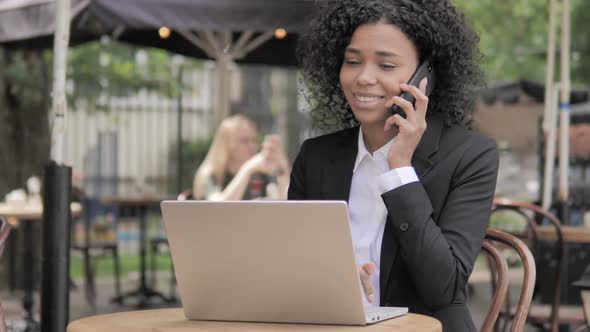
point(584, 286)
point(500, 284)
point(4, 232)
point(531, 218)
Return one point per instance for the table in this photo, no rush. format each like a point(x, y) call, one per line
point(571, 234)
point(142, 203)
point(173, 320)
point(28, 213)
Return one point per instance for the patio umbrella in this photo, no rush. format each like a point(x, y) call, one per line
point(250, 31)
point(244, 31)
point(247, 31)
point(564, 114)
point(551, 114)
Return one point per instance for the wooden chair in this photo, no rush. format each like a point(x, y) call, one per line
point(4, 231)
point(546, 316)
point(519, 318)
point(501, 283)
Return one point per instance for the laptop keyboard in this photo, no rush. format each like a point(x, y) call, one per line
point(376, 314)
point(377, 310)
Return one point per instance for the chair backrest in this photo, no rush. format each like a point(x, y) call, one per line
point(501, 289)
point(530, 274)
point(4, 231)
point(534, 215)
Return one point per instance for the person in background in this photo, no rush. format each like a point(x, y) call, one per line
point(419, 183)
point(234, 169)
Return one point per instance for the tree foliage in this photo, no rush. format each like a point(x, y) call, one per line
point(513, 41)
point(107, 68)
point(96, 71)
point(514, 37)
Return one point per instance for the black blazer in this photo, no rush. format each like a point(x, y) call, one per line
point(434, 227)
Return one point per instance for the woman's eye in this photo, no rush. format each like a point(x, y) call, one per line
point(388, 66)
point(351, 62)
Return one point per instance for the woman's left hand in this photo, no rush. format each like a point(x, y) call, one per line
point(410, 129)
point(273, 146)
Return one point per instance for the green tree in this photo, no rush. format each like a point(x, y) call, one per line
point(109, 68)
point(513, 37)
point(24, 131)
point(96, 69)
point(581, 41)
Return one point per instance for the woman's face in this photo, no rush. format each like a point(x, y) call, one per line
point(245, 143)
point(378, 58)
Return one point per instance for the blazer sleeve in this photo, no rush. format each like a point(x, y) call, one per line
point(440, 255)
point(297, 182)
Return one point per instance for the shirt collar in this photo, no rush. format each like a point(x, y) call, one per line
point(363, 152)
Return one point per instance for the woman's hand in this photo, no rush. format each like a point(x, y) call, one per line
point(410, 129)
point(273, 147)
point(260, 163)
point(365, 273)
point(271, 159)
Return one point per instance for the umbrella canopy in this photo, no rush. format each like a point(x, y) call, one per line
point(30, 23)
point(246, 31)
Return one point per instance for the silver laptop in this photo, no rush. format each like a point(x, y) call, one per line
point(262, 261)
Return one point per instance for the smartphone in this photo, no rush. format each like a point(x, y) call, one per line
point(424, 70)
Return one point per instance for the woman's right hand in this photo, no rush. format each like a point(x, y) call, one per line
point(365, 273)
point(270, 159)
point(273, 147)
point(260, 163)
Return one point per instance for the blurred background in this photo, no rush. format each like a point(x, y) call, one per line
point(141, 120)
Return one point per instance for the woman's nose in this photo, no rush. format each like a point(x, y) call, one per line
point(366, 76)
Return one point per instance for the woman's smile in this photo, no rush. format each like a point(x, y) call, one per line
point(364, 100)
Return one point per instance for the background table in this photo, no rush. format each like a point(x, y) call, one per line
point(571, 234)
point(142, 204)
point(575, 241)
point(173, 320)
point(26, 214)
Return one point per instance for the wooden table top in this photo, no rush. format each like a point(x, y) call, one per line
point(572, 234)
point(31, 211)
point(164, 320)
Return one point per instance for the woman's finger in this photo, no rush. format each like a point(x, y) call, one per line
point(366, 271)
point(419, 94)
point(406, 106)
point(397, 120)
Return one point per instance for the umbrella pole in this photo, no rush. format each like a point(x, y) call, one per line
point(564, 115)
point(549, 118)
point(550, 146)
point(179, 159)
point(56, 194)
point(222, 94)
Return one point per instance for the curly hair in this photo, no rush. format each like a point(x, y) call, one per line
point(437, 29)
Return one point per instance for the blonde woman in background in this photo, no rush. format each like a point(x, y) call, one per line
point(234, 169)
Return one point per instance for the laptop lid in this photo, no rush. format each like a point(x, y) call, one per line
point(288, 261)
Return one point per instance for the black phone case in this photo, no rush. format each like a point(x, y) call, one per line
point(424, 70)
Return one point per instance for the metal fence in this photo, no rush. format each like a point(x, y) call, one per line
point(129, 145)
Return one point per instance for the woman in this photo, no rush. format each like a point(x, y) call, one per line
point(419, 187)
point(234, 170)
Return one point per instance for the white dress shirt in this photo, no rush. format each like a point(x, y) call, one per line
point(370, 179)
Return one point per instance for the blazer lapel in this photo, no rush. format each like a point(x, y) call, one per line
point(338, 173)
point(422, 163)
